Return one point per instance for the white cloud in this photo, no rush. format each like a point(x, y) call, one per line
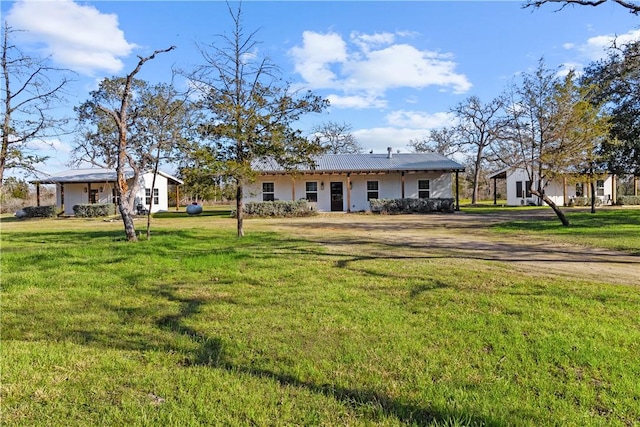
point(54, 145)
point(356, 101)
point(420, 119)
point(314, 58)
point(78, 37)
point(372, 63)
point(378, 139)
point(368, 41)
point(595, 48)
point(403, 126)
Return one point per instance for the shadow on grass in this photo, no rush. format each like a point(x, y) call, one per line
point(374, 404)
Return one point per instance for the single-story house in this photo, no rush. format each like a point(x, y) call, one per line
point(346, 182)
point(560, 190)
point(97, 186)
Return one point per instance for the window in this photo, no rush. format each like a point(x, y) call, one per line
point(579, 189)
point(600, 187)
point(147, 196)
point(312, 191)
point(93, 196)
point(268, 191)
point(372, 190)
point(423, 188)
point(523, 189)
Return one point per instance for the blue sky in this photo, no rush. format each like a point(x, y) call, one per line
point(391, 70)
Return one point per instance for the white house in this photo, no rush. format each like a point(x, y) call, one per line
point(560, 190)
point(346, 182)
point(97, 186)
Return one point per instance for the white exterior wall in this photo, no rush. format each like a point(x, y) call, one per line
point(74, 194)
point(513, 176)
point(554, 189)
point(389, 187)
point(162, 184)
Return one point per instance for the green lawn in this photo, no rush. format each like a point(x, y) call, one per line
point(608, 228)
point(198, 327)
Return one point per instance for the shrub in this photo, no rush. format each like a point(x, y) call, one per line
point(397, 206)
point(94, 210)
point(280, 209)
point(40, 211)
point(583, 201)
point(628, 200)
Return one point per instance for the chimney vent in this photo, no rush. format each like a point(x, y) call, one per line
point(389, 152)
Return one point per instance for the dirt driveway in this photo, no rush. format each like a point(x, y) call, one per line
point(465, 236)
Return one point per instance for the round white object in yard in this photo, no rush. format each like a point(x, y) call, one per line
point(194, 209)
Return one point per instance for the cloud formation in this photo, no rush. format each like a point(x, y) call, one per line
point(368, 65)
point(75, 36)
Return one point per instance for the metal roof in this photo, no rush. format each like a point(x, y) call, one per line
point(342, 163)
point(93, 175)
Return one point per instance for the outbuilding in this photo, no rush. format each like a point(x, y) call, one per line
point(97, 186)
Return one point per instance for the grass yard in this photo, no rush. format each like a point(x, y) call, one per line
point(617, 229)
point(198, 327)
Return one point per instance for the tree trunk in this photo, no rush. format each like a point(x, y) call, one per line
point(476, 177)
point(127, 219)
point(561, 216)
point(240, 208)
point(593, 195)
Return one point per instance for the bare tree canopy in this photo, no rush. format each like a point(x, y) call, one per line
point(442, 141)
point(29, 97)
point(336, 138)
point(632, 6)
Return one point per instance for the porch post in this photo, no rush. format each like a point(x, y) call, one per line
point(88, 193)
point(38, 193)
point(457, 191)
point(614, 189)
point(293, 189)
point(495, 191)
point(348, 192)
point(402, 185)
point(564, 191)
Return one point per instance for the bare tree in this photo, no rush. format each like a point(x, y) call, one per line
point(30, 92)
point(632, 6)
point(251, 111)
point(480, 126)
point(442, 141)
point(336, 138)
point(112, 102)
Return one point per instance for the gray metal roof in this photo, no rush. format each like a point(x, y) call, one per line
point(342, 163)
point(93, 175)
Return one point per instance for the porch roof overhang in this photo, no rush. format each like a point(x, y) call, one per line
point(91, 175)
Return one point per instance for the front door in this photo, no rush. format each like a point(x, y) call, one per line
point(336, 197)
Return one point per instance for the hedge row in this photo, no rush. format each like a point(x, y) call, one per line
point(583, 201)
point(397, 206)
point(628, 200)
point(280, 208)
point(39, 211)
point(94, 210)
